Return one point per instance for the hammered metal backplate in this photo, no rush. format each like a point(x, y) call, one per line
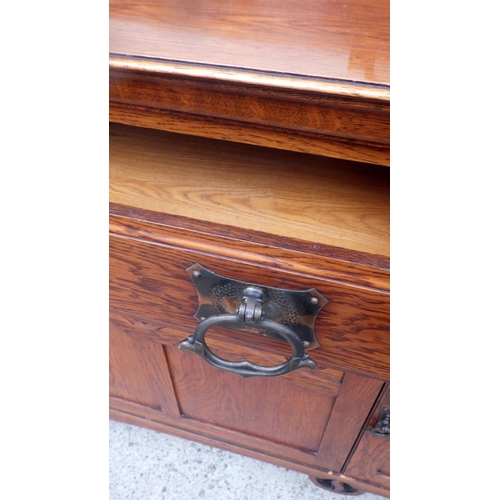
point(296, 309)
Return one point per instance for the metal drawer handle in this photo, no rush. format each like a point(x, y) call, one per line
point(383, 425)
point(197, 344)
point(254, 305)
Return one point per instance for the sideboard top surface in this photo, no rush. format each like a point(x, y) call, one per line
point(340, 40)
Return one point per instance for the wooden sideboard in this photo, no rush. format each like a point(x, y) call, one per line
point(249, 230)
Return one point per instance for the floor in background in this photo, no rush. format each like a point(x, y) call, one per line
point(149, 465)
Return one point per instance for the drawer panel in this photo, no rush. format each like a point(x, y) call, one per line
point(149, 280)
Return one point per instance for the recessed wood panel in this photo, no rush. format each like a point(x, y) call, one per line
point(129, 378)
point(371, 459)
point(312, 417)
point(138, 371)
point(273, 408)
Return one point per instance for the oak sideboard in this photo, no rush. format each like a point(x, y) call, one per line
point(249, 230)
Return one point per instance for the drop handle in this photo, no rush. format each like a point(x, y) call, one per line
point(251, 315)
point(277, 313)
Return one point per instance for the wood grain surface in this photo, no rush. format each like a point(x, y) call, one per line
point(300, 79)
point(249, 133)
point(341, 40)
point(285, 416)
point(257, 247)
point(355, 401)
point(149, 280)
point(284, 74)
point(371, 459)
point(319, 200)
point(309, 118)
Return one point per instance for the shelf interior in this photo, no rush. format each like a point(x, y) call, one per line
point(320, 200)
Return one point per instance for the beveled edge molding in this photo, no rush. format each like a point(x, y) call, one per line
point(348, 120)
point(281, 81)
point(249, 133)
point(348, 267)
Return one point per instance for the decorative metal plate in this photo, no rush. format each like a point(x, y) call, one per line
point(296, 309)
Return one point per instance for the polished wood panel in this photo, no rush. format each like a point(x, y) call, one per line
point(138, 372)
point(283, 74)
point(346, 40)
point(127, 357)
point(248, 133)
point(356, 401)
point(294, 415)
point(371, 460)
point(137, 330)
point(300, 79)
point(310, 108)
point(290, 416)
point(287, 194)
point(150, 280)
point(322, 117)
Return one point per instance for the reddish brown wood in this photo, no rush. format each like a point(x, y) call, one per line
point(287, 75)
point(135, 389)
point(295, 415)
point(150, 280)
point(371, 460)
point(138, 373)
point(304, 110)
point(346, 41)
point(260, 135)
point(300, 411)
point(260, 248)
point(348, 417)
point(223, 342)
point(304, 77)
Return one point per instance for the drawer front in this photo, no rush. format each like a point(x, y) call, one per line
point(150, 280)
point(371, 459)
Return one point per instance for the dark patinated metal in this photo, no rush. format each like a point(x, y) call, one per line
point(382, 427)
point(274, 312)
point(296, 309)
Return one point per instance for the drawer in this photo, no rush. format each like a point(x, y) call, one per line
point(150, 280)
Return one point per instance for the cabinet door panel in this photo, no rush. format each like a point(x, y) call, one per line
point(308, 417)
point(138, 374)
point(371, 460)
point(274, 408)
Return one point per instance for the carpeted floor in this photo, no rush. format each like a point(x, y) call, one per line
point(149, 465)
